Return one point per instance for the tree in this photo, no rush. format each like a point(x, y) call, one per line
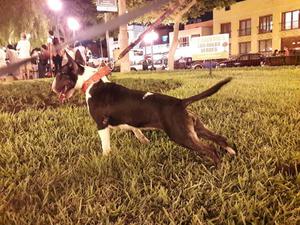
point(35, 17)
point(123, 38)
point(186, 8)
point(17, 16)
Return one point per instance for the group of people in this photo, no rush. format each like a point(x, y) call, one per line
point(12, 54)
point(49, 58)
point(284, 52)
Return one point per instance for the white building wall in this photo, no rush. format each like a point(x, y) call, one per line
point(189, 33)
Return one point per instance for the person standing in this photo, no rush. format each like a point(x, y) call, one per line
point(2, 57)
point(43, 61)
point(23, 48)
point(12, 57)
point(286, 51)
point(50, 46)
point(57, 55)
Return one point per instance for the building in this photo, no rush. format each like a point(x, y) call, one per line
point(260, 25)
point(136, 54)
point(186, 36)
point(160, 46)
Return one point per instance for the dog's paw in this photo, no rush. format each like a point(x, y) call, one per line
point(144, 140)
point(106, 152)
point(230, 151)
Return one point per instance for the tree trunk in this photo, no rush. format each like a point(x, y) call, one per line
point(107, 37)
point(177, 20)
point(123, 39)
point(174, 45)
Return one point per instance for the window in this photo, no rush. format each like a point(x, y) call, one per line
point(254, 57)
point(227, 8)
point(245, 27)
point(165, 38)
point(138, 52)
point(265, 24)
point(226, 28)
point(290, 20)
point(195, 35)
point(184, 42)
point(265, 46)
point(243, 57)
point(244, 47)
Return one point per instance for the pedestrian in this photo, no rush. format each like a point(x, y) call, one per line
point(35, 62)
point(57, 55)
point(50, 46)
point(2, 57)
point(275, 53)
point(23, 48)
point(43, 61)
point(11, 58)
point(286, 51)
point(145, 64)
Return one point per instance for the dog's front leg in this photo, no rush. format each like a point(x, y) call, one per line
point(105, 140)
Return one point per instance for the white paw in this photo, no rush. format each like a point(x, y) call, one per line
point(106, 152)
point(144, 141)
point(230, 151)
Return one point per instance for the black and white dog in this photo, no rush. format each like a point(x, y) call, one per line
point(112, 105)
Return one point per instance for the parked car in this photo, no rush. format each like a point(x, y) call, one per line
point(183, 63)
point(160, 64)
point(250, 59)
point(95, 62)
point(199, 64)
point(283, 60)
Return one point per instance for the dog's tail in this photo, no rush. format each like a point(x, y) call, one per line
point(206, 93)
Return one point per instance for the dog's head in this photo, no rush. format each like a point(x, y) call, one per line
point(66, 79)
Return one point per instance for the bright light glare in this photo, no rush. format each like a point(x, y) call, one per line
point(55, 5)
point(73, 24)
point(150, 37)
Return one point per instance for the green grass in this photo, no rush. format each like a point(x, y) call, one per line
point(52, 170)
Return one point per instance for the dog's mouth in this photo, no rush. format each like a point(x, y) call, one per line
point(62, 95)
point(65, 93)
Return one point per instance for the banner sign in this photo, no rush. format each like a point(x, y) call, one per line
point(107, 6)
point(210, 47)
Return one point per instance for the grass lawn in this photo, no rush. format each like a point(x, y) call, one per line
point(52, 170)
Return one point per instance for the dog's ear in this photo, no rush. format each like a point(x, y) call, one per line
point(70, 61)
point(80, 62)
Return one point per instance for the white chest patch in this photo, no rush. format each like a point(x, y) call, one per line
point(147, 94)
point(88, 95)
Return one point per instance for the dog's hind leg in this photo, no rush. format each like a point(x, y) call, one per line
point(140, 136)
point(209, 135)
point(192, 142)
point(186, 136)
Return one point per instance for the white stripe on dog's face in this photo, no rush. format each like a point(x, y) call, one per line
point(88, 96)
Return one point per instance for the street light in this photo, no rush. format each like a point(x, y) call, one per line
point(150, 38)
point(73, 25)
point(55, 5)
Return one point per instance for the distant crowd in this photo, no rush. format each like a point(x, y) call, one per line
point(48, 62)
